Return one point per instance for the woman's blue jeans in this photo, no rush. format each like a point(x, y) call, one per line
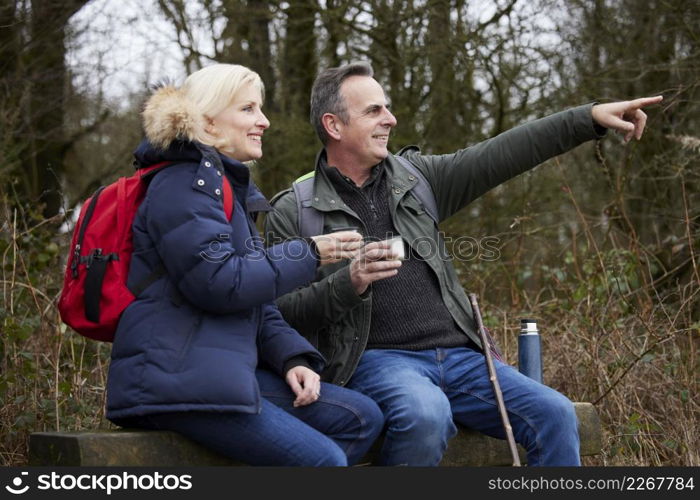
point(422, 394)
point(338, 429)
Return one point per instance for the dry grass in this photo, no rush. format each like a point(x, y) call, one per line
point(52, 378)
point(619, 328)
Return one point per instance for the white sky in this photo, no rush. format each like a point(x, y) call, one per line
point(122, 46)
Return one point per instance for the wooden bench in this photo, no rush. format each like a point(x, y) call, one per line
point(127, 447)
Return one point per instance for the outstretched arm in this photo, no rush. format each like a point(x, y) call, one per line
point(461, 177)
point(626, 117)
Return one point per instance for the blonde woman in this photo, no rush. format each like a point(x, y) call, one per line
point(203, 351)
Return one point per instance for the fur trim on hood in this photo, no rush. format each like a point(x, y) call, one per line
point(168, 115)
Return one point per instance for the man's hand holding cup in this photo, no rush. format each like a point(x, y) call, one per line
point(375, 261)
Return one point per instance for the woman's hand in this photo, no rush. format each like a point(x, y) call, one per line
point(305, 383)
point(333, 247)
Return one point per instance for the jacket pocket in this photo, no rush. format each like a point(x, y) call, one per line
point(415, 216)
point(413, 205)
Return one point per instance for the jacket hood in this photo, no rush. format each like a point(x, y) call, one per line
point(168, 116)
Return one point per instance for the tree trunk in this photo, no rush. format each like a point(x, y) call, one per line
point(299, 65)
point(440, 119)
point(43, 69)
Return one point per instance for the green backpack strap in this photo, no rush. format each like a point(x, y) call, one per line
point(422, 190)
point(309, 219)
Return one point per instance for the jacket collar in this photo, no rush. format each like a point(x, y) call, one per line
point(195, 152)
point(190, 152)
point(326, 198)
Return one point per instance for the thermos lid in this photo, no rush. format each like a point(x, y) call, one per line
point(528, 326)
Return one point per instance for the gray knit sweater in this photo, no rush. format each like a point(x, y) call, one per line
point(407, 309)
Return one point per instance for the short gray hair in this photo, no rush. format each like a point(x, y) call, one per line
point(325, 94)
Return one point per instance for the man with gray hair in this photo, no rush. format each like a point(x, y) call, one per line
point(403, 332)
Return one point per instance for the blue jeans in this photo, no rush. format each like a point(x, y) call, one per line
point(422, 394)
point(336, 430)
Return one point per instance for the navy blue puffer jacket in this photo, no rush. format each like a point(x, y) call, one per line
point(193, 338)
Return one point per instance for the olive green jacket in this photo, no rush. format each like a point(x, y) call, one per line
point(329, 312)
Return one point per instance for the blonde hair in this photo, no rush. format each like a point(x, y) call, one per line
point(183, 113)
point(213, 88)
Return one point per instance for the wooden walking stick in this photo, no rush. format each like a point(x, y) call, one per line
point(494, 382)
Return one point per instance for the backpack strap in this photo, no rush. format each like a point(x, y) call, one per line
point(228, 198)
point(309, 219)
point(146, 174)
point(422, 190)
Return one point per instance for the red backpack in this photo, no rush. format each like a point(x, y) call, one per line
point(94, 292)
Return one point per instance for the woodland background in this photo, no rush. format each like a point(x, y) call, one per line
point(600, 245)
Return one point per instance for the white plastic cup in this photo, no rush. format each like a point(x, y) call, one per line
point(397, 248)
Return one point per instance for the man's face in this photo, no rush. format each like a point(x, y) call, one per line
point(366, 134)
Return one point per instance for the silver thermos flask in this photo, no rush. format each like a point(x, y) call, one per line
point(530, 350)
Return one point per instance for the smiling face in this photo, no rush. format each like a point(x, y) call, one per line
point(365, 136)
point(240, 126)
